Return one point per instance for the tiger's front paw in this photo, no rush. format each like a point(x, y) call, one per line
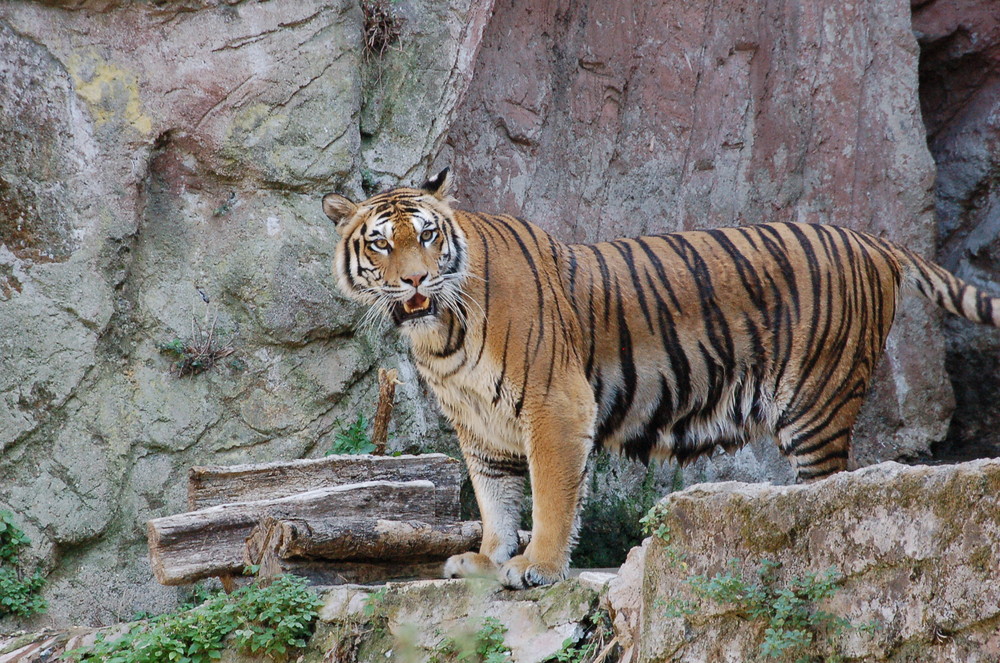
point(469, 565)
point(520, 573)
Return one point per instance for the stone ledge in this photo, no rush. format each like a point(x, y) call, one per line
point(918, 549)
point(412, 620)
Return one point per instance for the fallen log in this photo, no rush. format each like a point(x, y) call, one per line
point(215, 485)
point(340, 573)
point(210, 542)
point(360, 539)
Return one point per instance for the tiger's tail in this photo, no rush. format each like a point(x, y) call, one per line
point(950, 292)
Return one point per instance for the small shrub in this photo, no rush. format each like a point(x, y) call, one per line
point(653, 525)
point(573, 652)
point(271, 621)
point(202, 350)
point(382, 27)
point(20, 593)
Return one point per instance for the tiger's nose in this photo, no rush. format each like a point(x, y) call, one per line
point(415, 279)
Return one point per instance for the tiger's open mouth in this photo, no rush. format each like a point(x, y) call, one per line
point(415, 307)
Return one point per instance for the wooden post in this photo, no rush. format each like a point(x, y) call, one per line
point(387, 380)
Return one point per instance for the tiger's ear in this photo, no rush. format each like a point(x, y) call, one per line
point(339, 209)
point(439, 185)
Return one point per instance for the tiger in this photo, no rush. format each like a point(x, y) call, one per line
point(663, 347)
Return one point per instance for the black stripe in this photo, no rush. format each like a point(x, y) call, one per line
point(623, 394)
point(838, 454)
point(957, 294)
point(816, 445)
point(503, 365)
point(984, 307)
point(591, 327)
point(819, 337)
point(657, 264)
point(747, 272)
point(534, 271)
point(605, 281)
point(487, 289)
point(716, 324)
point(775, 247)
point(626, 254)
point(640, 447)
point(527, 369)
point(674, 350)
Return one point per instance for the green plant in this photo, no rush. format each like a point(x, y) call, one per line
point(352, 438)
point(574, 652)
point(794, 625)
point(202, 350)
point(272, 620)
point(610, 522)
point(374, 603)
point(482, 646)
point(653, 525)
point(20, 593)
point(198, 594)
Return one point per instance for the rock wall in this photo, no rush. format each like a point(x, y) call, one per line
point(598, 120)
point(915, 548)
point(960, 99)
point(160, 171)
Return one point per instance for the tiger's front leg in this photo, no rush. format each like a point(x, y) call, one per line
point(560, 432)
point(499, 487)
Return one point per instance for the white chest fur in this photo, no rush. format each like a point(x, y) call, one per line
point(467, 393)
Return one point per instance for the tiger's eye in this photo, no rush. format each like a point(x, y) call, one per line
point(427, 236)
point(381, 244)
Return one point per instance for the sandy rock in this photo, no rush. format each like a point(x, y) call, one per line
point(415, 621)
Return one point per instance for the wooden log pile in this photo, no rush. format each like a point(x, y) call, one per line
point(333, 520)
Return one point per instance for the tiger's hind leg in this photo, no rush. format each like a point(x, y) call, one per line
point(819, 444)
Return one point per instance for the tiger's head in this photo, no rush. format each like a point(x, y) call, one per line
point(401, 252)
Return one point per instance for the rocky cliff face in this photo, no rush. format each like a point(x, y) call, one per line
point(599, 120)
point(160, 171)
point(960, 100)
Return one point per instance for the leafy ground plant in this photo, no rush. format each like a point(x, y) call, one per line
point(274, 621)
point(20, 593)
point(482, 646)
point(796, 628)
point(352, 438)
